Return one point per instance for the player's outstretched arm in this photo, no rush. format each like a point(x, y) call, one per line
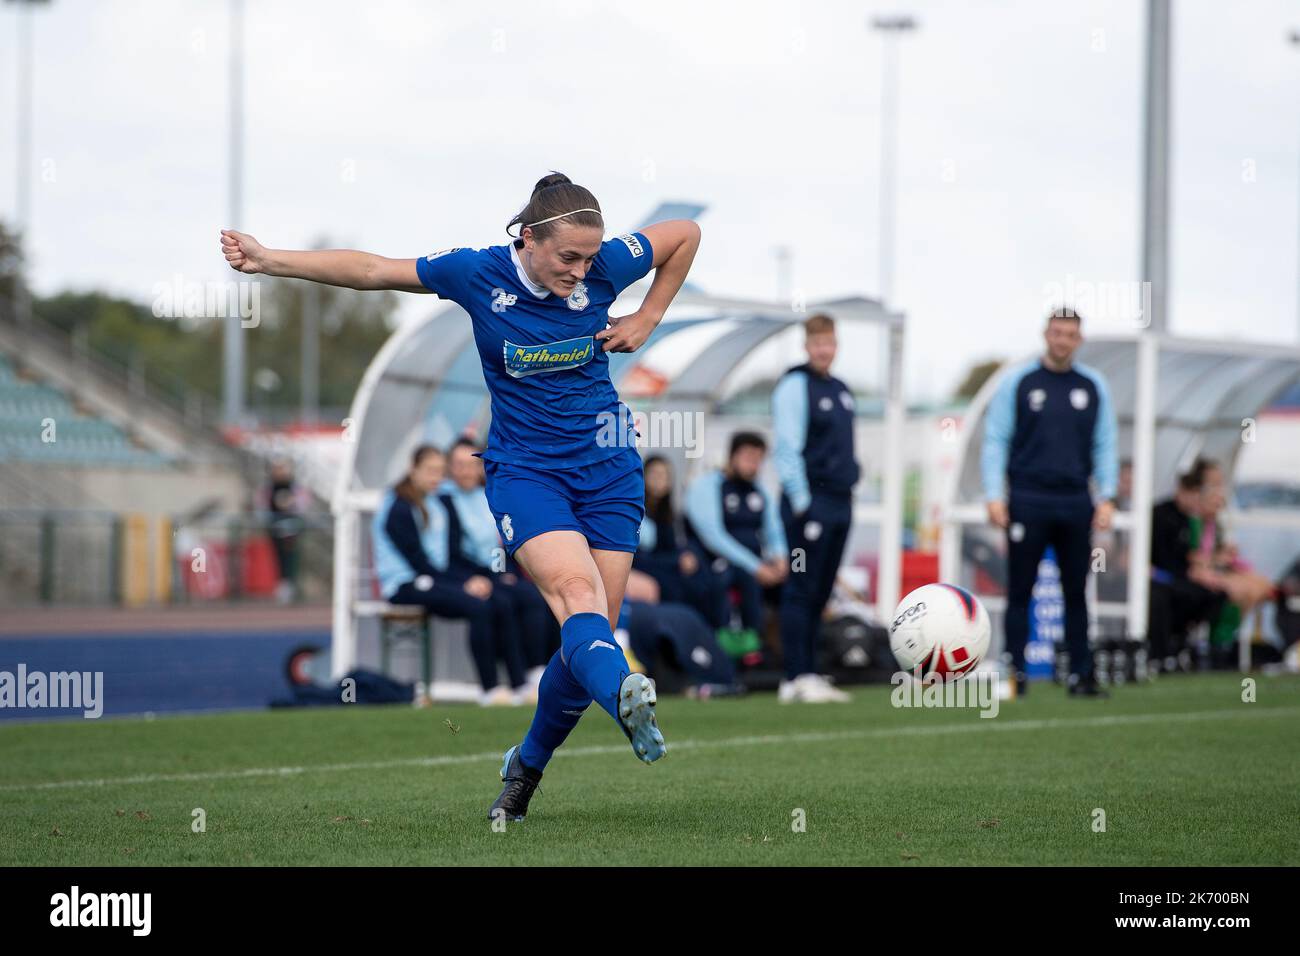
point(341, 267)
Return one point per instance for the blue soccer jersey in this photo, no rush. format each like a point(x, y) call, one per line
point(553, 404)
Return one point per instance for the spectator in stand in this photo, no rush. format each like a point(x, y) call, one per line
point(285, 501)
point(411, 534)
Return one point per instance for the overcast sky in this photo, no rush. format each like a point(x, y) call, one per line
point(406, 127)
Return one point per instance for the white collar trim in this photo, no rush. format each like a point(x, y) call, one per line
point(540, 291)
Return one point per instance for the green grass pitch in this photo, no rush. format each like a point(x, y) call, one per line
point(1185, 771)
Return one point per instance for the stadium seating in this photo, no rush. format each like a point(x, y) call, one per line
point(80, 439)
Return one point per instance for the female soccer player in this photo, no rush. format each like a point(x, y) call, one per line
point(564, 478)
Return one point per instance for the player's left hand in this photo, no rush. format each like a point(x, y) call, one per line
point(1102, 515)
point(627, 333)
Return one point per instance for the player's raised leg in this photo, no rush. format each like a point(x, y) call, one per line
point(636, 696)
point(566, 571)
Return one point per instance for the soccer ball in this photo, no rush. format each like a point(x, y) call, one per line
point(940, 632)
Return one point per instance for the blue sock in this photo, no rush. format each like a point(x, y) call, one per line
point(561, 701)
point(594, 659)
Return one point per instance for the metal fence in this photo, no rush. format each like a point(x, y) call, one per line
point(98, 558)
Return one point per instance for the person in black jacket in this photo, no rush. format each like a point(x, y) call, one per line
point(1177, 601)
point(411, 535)
point(662, 552)
point(476, 547)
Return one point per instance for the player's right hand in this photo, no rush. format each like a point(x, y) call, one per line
point(998, 513)
point(243, 252)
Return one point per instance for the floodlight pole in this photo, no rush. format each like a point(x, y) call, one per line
point(889, 566)
point(1155, 272)
point(889, 28)
point(1155, 222)
point(23, 165)
point(1295, 42)
point(232, 376)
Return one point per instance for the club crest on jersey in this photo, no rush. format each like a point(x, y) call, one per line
point(633, 245)
point(521, 360)
point(507, 528)
point(1079, 398)
point(578, 298)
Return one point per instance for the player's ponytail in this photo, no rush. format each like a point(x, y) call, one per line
point(556, 199)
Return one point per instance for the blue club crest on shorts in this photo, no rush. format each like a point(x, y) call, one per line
point(521, 360)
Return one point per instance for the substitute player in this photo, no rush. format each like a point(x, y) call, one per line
point(1050, 429)
point(563, 474)
point(812, 416)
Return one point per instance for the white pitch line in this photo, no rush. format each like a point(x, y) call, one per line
point(975, 725)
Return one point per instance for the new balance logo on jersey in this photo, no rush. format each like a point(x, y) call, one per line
point(633, 245)
point(502, 300)
point(596, 644)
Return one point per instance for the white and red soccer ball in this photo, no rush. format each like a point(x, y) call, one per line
point(939, 632)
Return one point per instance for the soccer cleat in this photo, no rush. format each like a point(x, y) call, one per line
point(520, 782)
point(636, 713)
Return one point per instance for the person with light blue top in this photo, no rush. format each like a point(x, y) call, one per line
point(411, 535)
point(812, 415)
point(735, 528)
point(479, 548)
point(1050, 469)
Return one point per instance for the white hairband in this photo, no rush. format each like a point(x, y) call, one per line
point(529, 225)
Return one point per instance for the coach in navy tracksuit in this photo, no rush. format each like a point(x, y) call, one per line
point(812, 416)
point(1049, 430)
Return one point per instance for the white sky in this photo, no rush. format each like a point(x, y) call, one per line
point(405, 127)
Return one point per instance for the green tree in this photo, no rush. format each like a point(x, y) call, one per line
point(176, 354)
point(975, 379)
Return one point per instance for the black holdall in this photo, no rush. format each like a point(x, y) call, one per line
point(854, 651)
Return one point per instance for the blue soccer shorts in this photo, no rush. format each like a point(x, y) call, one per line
point(605, 501)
